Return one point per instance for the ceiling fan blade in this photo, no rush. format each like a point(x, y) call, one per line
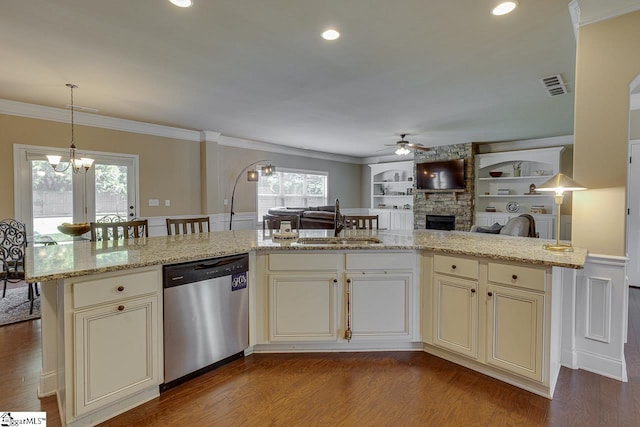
point(418, 147)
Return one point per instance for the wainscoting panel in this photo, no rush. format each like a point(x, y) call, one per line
point(598, 309)
point(601, 316)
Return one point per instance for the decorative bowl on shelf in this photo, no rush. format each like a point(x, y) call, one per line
point(74, 229)
point(495, 174)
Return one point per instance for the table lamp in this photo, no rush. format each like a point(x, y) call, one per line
point(559, 183)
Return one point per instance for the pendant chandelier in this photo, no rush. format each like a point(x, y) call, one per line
point(78, 164)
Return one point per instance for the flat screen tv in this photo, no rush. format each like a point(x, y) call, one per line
point(443, 175)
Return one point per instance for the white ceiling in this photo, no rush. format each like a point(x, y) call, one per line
point(445, 70)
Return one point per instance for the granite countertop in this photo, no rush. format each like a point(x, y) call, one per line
point(82, 258)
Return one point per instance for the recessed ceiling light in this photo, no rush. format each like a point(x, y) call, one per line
point(182, 3)
point(504, 8)
point(330, 34)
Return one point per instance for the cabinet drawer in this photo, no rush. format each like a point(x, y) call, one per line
point(458, 266)
point(296, 261)
point(516, 275)
point(381, 261)
point(115, 287)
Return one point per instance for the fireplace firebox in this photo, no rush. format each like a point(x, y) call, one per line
point(441, 222)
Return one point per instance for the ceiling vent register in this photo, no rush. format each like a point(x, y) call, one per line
point(554, 85)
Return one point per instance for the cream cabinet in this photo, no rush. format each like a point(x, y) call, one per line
point(302, 307)
point(379, 305)
point(303, 296)
point(380, 295)
point(314, 297)
point(455, 304)
point(491, 316)
point(116, 351)
point(515, 319)
point(112, 356)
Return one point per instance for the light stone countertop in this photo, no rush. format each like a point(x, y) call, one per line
point(83, 258)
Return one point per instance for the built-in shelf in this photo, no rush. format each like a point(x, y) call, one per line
point(506, 196)
point(393, 182)
point(517, 178)
point(395, 177)
point(536, 166)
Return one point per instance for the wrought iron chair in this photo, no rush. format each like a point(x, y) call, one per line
point(188, 225)
point(104, 231)
point(13, 241)
point(111, 218)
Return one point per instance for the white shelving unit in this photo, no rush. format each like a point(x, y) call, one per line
point(536, 167)
point(392, 194)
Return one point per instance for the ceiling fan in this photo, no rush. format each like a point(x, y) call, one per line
point(404, 147)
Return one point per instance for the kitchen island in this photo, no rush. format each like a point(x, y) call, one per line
point(492, 303)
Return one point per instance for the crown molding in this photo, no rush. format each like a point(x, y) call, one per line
point(230, 141)
point(526, 144)
point(33, 111)
point(599, 10)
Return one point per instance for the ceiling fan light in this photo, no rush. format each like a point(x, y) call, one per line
point(402, 151)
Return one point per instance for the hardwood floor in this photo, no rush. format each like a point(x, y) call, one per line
point(345, 389)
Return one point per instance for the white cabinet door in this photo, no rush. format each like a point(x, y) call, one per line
point(515, 330)
point(401, 220)
point(455, 315)
point(302, 307)
point(379, 305)
point(116, 350)
point(546, 228)
point(384, 218)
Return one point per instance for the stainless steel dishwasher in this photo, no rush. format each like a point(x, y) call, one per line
point(206, 316)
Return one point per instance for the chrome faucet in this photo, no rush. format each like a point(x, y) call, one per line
point(339, 220)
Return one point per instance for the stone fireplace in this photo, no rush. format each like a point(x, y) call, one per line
point(458, 204)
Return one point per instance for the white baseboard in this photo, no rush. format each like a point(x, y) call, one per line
point(48, 384)
point(601, 365)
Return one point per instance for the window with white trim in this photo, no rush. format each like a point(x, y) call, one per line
point(291, 188)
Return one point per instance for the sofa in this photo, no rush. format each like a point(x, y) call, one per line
point(312, 217)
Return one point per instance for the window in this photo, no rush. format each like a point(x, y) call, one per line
point(46, 199)
point(292, 188)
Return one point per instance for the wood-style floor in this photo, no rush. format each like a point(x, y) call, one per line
point(347, 389)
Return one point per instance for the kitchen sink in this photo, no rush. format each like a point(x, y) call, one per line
point(338, 241)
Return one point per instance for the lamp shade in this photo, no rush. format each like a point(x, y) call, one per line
point(252, 175)
point(560, 183)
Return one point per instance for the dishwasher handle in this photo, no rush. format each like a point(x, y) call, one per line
point(216, 263)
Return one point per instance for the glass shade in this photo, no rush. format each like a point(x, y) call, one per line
point(252, 175)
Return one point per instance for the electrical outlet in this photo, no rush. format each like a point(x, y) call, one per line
point(154, 202)
point(225, 202)
point(167, 202)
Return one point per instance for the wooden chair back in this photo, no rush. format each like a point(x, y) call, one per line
point(272, 222)
point(188, 225)
point(103, 231)
point(361, 222)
